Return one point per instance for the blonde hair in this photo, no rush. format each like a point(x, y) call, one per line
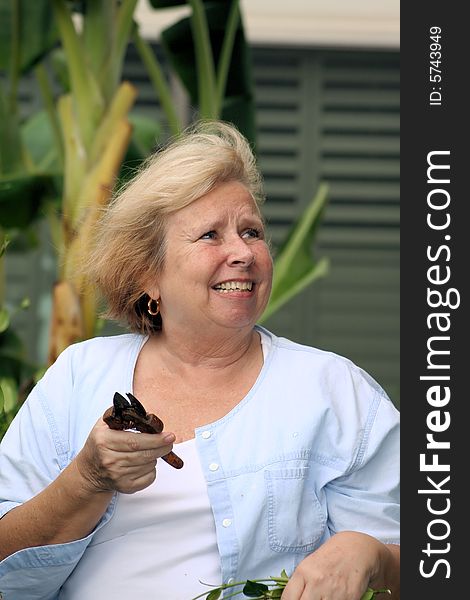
point(130, 245)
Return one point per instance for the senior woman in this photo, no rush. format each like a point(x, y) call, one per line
point(290, 453)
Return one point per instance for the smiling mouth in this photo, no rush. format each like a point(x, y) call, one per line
point(228, 287)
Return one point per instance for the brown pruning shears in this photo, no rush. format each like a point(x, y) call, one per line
point(128, 413)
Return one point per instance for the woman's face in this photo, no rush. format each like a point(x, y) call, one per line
point(217, 268)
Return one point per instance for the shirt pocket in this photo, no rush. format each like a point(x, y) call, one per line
point(296, 521)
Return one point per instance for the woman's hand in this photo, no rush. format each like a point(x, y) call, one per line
point(122, 461)
point(74, 502)
point(340, 569)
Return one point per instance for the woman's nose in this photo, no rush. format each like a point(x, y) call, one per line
point(239, 253)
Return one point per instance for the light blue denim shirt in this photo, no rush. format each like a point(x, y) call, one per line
point(312, 449)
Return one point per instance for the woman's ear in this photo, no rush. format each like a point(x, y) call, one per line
point(153, 293)
point(152, 289)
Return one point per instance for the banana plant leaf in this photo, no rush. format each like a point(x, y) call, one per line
point(37, 33)
point(178, 42)
point(21, 195)
point(295, 266)
point(11, 151)
point(16, 375)
point(12, 355)
point(23, 42)
point(146, 133)
point(20, 198)
point(38, 138)
point(23, 190)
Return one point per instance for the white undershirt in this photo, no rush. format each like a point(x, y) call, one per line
point(160, 543)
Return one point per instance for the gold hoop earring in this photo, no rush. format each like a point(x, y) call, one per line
point(153, 309)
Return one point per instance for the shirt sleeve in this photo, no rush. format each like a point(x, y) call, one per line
point(32, 453)
point(39, 573)
point(367, 497)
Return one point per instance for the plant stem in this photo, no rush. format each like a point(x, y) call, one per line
point(158, 81)
point(87, 98)
point(48, 100)
point(3, 245)
point(204, 61)
point(124, 26)
point(14, 57)
point(226, 53)
point(226, 586)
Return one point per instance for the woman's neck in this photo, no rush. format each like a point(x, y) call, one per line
point(190, 384)
point(221, 352)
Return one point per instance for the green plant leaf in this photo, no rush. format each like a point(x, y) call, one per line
point(238, 106)
point(253, 589)
point(4, 319)
point(256, 589)
point(12, 158)
point(58, 63)
point(37, 32)
point(9, 403)
point(20, 198)
point(87, 97)
point(38, 137)
point(12, 356)
point(10, 393)
point(146, 134)
point(296, 253)
point(158, 80)
point(294, 266)
point(39, 374)
point(5, 241)
point(25, 303)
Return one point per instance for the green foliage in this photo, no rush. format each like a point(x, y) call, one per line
point(266, 589)
point(295, 266)
point(17, 374)
point(24, 41)
point(15, 370)
point(145, 134)
point(208, 52)
point(8, 403)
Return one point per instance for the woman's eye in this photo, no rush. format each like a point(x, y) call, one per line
point(210, 235)
point(252, 232)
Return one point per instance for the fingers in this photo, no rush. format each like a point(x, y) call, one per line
point(339, 569)
point(122, 440)
point(133, 451)
point(294, 589)
point(123, 461)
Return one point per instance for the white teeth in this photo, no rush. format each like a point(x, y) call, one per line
point(234, 285)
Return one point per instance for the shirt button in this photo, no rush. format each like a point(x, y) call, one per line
point(227, 522)
point(206, 434)
point(213, 467)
